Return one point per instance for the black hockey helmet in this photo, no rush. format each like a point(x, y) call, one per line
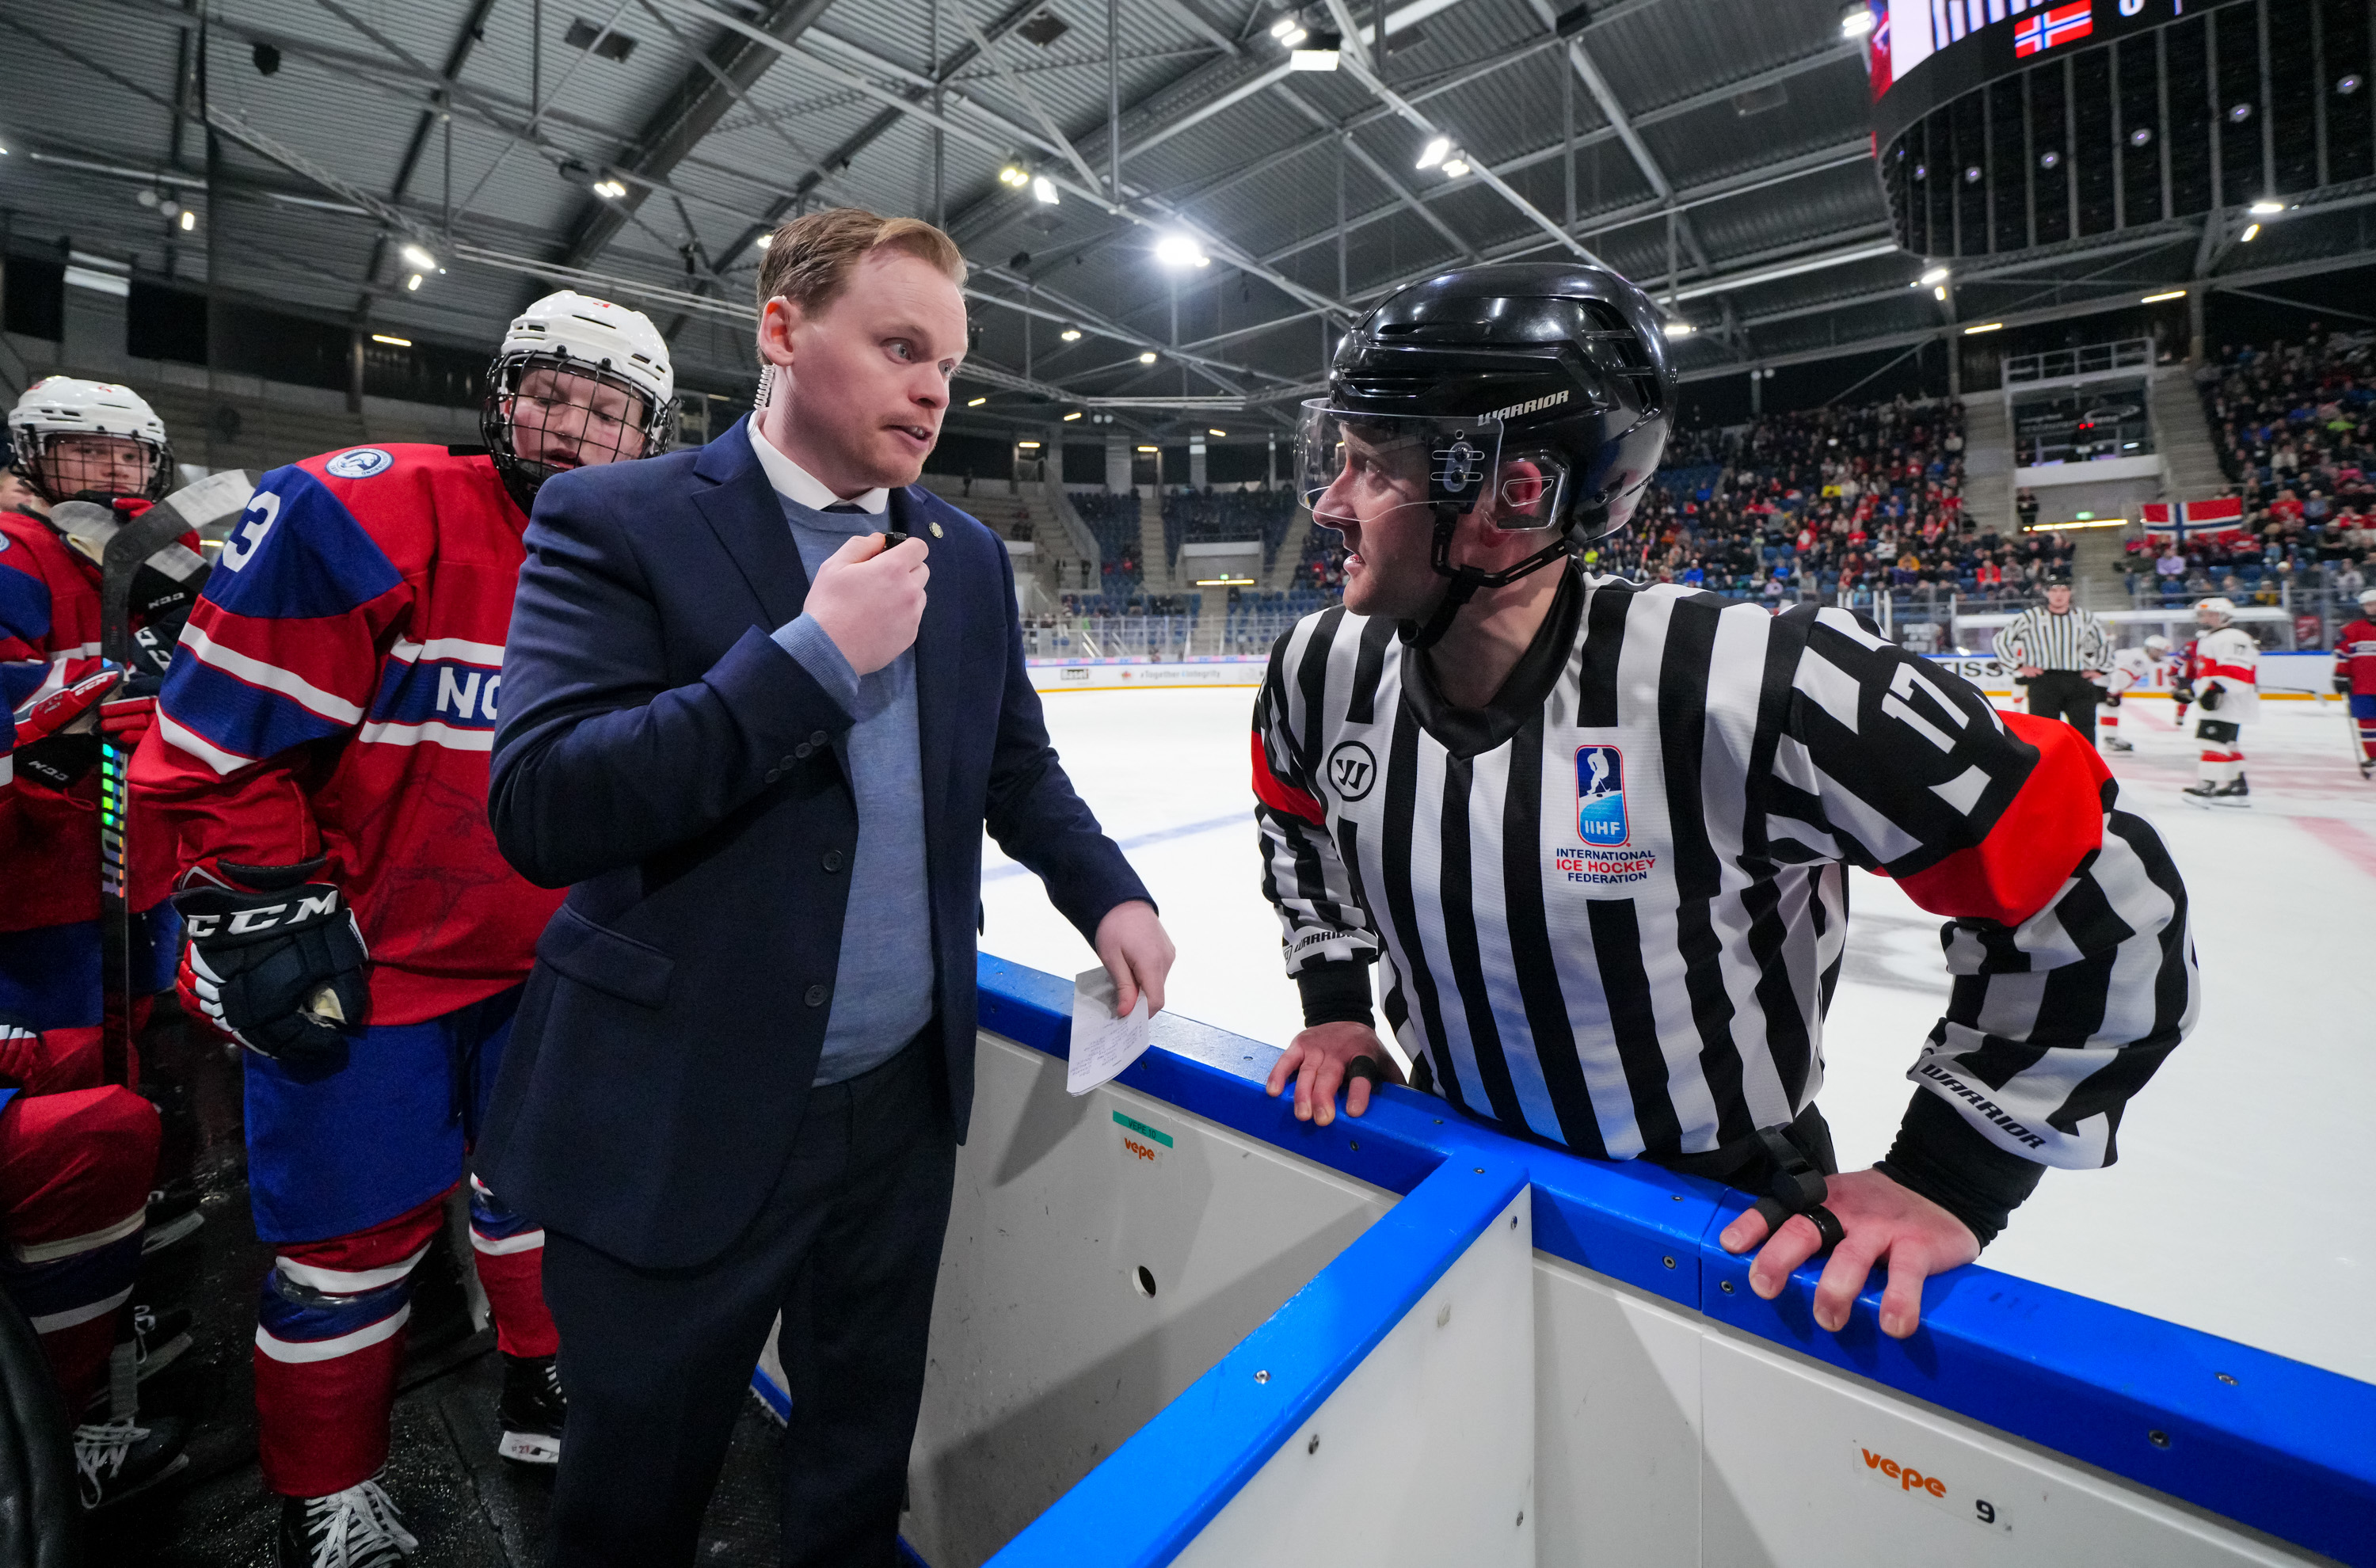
point(1560, 364)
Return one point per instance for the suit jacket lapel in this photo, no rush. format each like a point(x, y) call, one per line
point(732, 493)
point(937, 653)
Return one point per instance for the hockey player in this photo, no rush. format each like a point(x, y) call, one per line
point(2132, 668)
point(2224, 691)
point(322, 754)
point(1599, 832)
point(75, 1169)
point(2354, 677)
point(90, 441)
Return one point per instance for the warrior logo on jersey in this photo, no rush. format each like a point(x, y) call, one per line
point(1600, 797)
point(361, 463)
point(1353, 771)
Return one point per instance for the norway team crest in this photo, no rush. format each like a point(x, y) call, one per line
point(1600, 797)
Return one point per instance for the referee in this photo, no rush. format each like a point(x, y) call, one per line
point(1594, 835)
point(2064, 653)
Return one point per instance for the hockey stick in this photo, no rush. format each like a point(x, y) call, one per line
point(126, 547)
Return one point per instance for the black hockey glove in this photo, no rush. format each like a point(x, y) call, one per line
point(2210, 696)
point(277, 964)
point(2343, 685)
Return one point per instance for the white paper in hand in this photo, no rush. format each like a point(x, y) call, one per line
point(1102, 1044)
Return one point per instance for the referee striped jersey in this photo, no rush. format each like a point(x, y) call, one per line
point(1611, 909)
point(2073, 640)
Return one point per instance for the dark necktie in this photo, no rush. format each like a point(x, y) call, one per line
point(852, 506)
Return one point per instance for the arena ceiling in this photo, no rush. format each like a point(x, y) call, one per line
point(1717, 151)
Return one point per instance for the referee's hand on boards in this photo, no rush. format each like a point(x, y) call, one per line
point(1316, 1060)
point(1881, 1222)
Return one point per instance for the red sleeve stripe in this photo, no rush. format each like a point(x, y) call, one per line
point(1279, 795)
point(2232, 671)
point(2055, 821)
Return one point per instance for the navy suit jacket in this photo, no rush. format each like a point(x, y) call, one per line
point(661, 756)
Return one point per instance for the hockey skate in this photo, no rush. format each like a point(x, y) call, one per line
point(2114, 743)
point(116, 1459)
point(157, 1340)
point(355, 1528)
point(532, 1410)
point(2234, 794)
point(173, 1216)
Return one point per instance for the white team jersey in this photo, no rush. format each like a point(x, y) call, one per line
point(2230, 659)
point(2132, 668)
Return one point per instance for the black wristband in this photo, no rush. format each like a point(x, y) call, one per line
point(1946, 1159)
point(1335, 992)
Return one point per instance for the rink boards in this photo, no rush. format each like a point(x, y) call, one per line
point(1175, 1326)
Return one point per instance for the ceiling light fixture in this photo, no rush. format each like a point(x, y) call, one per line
point(1855, 22)
point(392, 341)
point(1180, 250)
point(763, 241)
point(1293, 36)
point(1043, 190)
point(1070, 335)
point(1146, 448)
point(421, 259)
point(1147, 358)
point(1027, 445)
point(412, 284)
point(189, 220)
point(1070, 417)
point(1932, 278)
point(976, 402)
point(609, 189)
point(1434, 153)
point(2266, 208)
point(2157, 299)
point(1211, 432)
point(1984, 327)
point(1282, 27)
point(1455, 167)
point(1680, 329)
point(1939, 292)
point(1318, 51)
point(1014, 174)
point(2248, 235)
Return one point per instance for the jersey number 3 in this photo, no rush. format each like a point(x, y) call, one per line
point(254, 524)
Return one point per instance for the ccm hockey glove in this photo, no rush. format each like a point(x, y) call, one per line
point(277, 963)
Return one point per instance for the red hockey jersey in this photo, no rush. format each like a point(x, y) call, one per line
point(335, 693)
point(49, 639)
point(2355, 656)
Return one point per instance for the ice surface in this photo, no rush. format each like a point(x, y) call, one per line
point(2236, 1205)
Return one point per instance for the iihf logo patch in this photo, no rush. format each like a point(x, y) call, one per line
point(361, 463)
point(1352, 771)
point(1600, 797)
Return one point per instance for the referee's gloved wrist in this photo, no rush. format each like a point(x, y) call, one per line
point(1335, 992)
point(1946, 1159)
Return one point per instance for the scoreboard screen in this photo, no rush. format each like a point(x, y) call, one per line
point(1927, 52)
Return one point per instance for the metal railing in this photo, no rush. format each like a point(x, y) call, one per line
point(2057, 364)
point(1158, 638)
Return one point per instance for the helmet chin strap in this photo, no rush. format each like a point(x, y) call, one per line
point(1467, 580)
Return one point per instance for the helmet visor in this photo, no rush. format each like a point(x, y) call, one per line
point(1354, 466)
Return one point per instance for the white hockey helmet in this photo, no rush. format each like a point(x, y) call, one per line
point(2214, 613)
point(60, 406)
point(2157, 645)
point(586, 336)
point(2368, 599)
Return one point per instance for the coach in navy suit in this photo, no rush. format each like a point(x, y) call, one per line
point(760, 750)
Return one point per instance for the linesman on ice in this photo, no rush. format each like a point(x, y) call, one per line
point(1598, 833)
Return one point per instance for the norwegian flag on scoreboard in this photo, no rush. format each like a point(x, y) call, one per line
point(2197, 522)
point(2061, 24)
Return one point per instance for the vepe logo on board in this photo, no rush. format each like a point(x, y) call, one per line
point(1908, 1482)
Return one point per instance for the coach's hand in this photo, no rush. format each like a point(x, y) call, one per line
point(868, 600)
point(1316, 1060)
point(1137, 954)
point(1881, 1222)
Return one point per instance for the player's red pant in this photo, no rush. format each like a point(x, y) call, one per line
point(330, 1335)
point(75, 1170)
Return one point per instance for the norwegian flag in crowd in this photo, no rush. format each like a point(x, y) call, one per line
point(2197, 522)
point(2038, 33)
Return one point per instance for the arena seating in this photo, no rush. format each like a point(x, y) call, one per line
point(2290, 424)
point(1210, 517)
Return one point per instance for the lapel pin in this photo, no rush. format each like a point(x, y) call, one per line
point(936, 530)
